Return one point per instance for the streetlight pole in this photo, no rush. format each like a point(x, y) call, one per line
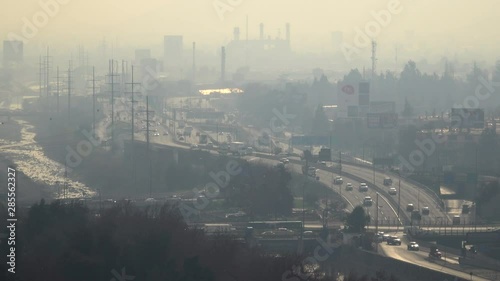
point(399, 198)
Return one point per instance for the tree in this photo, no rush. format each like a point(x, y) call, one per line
point(408, 110)
point(357, 220)
point(320, 124)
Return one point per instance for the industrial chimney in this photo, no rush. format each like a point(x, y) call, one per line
point(261, 31)
point(236, 34)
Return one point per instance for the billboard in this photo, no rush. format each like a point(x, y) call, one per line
point(347, 97)
point(382, 120)
point(382, 106)
point(325, 154)
point(467, 118)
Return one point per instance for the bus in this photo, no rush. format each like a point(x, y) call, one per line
point(294, 225)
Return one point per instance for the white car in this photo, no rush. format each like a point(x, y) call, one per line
point(368, 201)
point(363, 187)
point(393, 191)
point(284, 160)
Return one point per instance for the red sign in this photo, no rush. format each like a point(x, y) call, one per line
point(348, 89)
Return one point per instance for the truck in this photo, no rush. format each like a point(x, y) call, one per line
point(237, 148)
point(309, 171)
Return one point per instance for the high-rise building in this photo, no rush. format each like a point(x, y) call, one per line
point(173, 51)
point(13, 52)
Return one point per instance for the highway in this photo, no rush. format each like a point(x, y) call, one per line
point(409, 194)
point(448, 264)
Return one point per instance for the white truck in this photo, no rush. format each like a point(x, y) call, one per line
point(237, 148)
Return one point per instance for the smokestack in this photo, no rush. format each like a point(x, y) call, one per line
point(236, 34)
point(288, 33)
point(261, 31)
point(223, 64)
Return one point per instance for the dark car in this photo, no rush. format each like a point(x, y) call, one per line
point(409, 207)
point(394, 240)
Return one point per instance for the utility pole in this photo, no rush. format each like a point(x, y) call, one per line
point(47, 71)
point(93, 101)
point(148, 147)
point(112, 75)
point(475, 199)
point(133, 127)
point(40, 64)
point(399, 196)
point(194, 63)
point(69, 92)
point(376, 217)
point(57, 89)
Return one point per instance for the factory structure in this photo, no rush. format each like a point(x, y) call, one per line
point(258, 52)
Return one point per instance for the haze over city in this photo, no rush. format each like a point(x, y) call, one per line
point(423, 28)
point(222, 140)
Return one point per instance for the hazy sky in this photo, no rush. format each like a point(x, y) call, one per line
point(436, 24)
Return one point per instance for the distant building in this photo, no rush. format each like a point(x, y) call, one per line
point(173, 51)
point(13, 52)
point(258, 52)
point(141, 54)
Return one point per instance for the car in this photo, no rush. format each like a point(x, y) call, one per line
point(393, 191)
point(285, 160)
point(363, 187)
point(415, 215)
point(387, 181)
point(385, 237)
point(368, 201)
point(150, 200)
point(348, 186)
point(456, 220)
point(268, 233)
point(410, 207)
point(394, 240)
point(413, 246)
point(194, 146)
point(338, 180)
point(434, 253)
point(425, 211)
point(323, 163)
point(156, 134)
point(165, 134)
point(210, 145)
point(181, 138)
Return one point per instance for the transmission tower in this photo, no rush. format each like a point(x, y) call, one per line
point(374, 58)
point(112, 76)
